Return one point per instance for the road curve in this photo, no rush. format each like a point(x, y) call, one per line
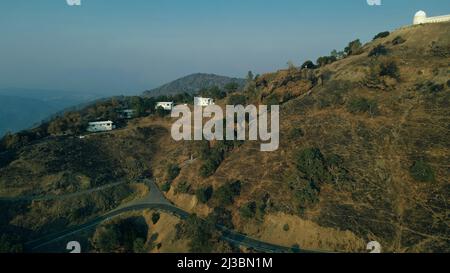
point(156, 200)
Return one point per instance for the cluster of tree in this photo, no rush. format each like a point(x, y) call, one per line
point(126, 235)
point(353, 48)
point(173, 170)
point(381, 35)
point(314, 167)
point(312, 170)
point(213, 156)
point(10, 244)
point(383, 67)
point(237, 99)
point(201, 233)
point(379, 50)
point(221, 217)
point(226, 193)
point(204, 194)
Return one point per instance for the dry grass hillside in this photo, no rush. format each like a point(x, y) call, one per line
point(364, 155)
point(383, 146)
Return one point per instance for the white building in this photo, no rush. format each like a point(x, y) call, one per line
point(421, 18)
point(166, 105)
point(127, 113)
point(101, 126)
point(199, 101)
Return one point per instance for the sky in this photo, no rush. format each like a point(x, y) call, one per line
point(128, 46)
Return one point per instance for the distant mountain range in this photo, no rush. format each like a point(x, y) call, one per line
point(192, 84)
point(24, 108)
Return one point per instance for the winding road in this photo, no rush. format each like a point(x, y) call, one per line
point(156, 200)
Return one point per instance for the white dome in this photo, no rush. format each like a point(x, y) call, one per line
point(420, 13)
point(420, 17)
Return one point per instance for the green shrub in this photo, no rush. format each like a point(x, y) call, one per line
point(225, 194)
point(165, 187)
point(222, 217)
point(306, 194)
point(430, 86)
point(248, 210)
point(312, 164)
point(155, 217)
point(353, 48)
point(308, 65)
point(213, 157)
point(324, 60)
point(379, 50)
point(381, 35)
point(362, 105)
point(208, 168)
point(200, 233)
point(389, 68)
point(204, 194)
point(286, 227)
point(172, 172)
point(421, 171)
point(398, 40)
point(120, 236)
point(231, 87)
point(237, 99)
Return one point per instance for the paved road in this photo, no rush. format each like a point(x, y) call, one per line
point(156, 200)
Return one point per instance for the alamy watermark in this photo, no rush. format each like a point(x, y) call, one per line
point(73, 2)
point(374, 2)
point(234, 124)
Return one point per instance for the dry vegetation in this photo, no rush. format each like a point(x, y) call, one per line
point(364, 155)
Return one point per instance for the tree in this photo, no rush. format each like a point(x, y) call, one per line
point(389, 68)
point(337, 54)
point(201, 234)
point(322, 61)
point(161, 112)
point(139, 245)
point(381, 35)
point(237, 99)
point(379, 50)
point(222, 217)
point(172, 172)
point(308, 65)
point(312, 164)
point(226, 193)
point(155, 217)
point(353, 48)
point(231, 87)
point(250, 76)
point(204, 194)
point(248, 210)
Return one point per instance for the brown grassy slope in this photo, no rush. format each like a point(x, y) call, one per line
point(68, 164)
point(381, 201)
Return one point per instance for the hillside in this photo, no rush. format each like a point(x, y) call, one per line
point(364, 155)
point(192, 84)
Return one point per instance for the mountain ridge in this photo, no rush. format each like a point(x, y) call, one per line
point(193, 83)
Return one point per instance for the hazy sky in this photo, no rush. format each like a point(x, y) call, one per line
point(126, 46)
